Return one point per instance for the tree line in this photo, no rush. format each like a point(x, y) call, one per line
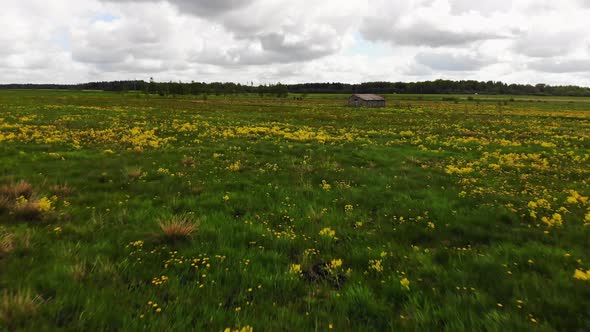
point(280, 90)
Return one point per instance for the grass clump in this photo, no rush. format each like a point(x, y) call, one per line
point(16, 189)
point(16, 308)
point(5, 204)
point(6, 244)
point(61, 190)
point(179, 227)
point(133, 173)
point(32, 209)
point(189, 162)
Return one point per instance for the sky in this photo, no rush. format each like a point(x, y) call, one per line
point(295, 41)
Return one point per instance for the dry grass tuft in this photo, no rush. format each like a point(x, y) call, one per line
point(6, 244)
point(27, 211)
point(15, 190)
point(32, 209)
point(5, 204)
point(25, 241)
point(16, 308)
point(197, 190)
point(134, 173)
point(188, 161)
point(79, 271)
point(61, 190)
point(179, 227)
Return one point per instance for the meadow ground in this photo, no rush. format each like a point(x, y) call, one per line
point(135, 213)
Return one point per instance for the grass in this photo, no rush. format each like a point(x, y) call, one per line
point(455, 215)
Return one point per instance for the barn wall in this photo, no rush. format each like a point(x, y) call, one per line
point(356, 102)
point(352, 102)
point(374, 103)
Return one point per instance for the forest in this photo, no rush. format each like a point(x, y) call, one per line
point(281, 90)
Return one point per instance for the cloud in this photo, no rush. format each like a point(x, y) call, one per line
point(561, 66)
point(447, 61)
point(235, 33)
point(204, 8)
point(128, 44)
point(422, 34)
point(427, 23)
point(541, 43)
point(483, 7)
point(295, 41)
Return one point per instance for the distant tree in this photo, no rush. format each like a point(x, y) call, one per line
point(152, 86)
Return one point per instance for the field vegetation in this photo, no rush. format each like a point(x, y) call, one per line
point(147, 213)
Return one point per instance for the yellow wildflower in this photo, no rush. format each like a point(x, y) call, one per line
point(581, 275)
point(335, 264)
point(44, 204)
point(376, 265)
point(405, 283)
point(234, 167)
point(328, 232)
point(556, 220)
point(243, 329)
point(295, 269)
point(21, 201)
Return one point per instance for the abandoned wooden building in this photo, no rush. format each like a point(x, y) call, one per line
point(366, 100)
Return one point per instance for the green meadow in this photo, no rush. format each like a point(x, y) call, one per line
point(237, 213)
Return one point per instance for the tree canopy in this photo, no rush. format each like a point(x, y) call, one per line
point(280, 90)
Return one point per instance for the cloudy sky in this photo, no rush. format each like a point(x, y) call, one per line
point(290, 41)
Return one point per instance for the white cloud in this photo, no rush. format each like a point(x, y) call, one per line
point(543, 44)
point(205, 8)
point(453, 61)
point(295, 41)
point(558, 66)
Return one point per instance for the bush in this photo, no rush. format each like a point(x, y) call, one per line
point(453, 99)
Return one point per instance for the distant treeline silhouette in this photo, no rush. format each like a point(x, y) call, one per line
point(280, 90)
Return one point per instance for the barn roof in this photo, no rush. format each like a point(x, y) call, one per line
point(369, 97)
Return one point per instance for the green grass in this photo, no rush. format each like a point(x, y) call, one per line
point(458, 198)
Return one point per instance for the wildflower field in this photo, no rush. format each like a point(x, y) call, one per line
point(143, 213)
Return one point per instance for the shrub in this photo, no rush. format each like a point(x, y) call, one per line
point(453, 99)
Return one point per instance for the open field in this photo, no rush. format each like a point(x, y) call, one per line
point(123, 212)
